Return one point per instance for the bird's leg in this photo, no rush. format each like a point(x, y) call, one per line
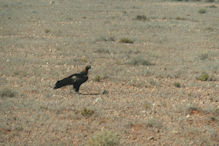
point(76, 88)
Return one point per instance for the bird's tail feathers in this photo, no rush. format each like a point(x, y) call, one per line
point(63, 83)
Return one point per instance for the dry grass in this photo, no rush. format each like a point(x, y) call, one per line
point(140, 61)
point(151, 91)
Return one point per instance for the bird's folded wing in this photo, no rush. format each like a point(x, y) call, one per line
point(76, 75)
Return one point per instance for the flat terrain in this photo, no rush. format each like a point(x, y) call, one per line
point(154, 77)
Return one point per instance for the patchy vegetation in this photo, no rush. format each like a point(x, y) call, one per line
point(104, 138)
point(145, 87)
point(6, 92)
point(102, 51)
point(140, 61)
point(154, 123)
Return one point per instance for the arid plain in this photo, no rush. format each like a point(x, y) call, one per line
point(154, 78)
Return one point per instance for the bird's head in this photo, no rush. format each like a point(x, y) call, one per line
point(57, 85)
point(87, 67)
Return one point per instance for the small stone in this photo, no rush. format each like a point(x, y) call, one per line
point(143, 111)
point(99, 99)
point(151, 138)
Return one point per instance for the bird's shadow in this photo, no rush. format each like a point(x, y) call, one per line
point(90, 93)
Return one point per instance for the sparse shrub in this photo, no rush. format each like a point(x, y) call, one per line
point(147, 105)
point(203, 77)
point(190, 94)
point(209, 28)
point(153, 83)
point(177, 84)
point(118, 62)
point(153, 123)
point(141, 17)
point(105, 39)
point(104, 138)
point(187, 0)
point(102, 51)
point(212, 6)
point(110, 39)
point(6, 92)
point(192, 110)
point(97, 78)
point(180, 18)
point(140, 61)
point(126, 40)
point(212, 119)
point(47, 31)
point(87, 112)
point(105, 91)
point(204, 56)
point(83, 59)
point(216, 112)
point(202, 11)
point(210, 1)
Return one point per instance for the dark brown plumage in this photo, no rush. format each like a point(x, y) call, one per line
point(75, 79)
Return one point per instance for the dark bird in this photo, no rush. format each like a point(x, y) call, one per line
point(75, 79)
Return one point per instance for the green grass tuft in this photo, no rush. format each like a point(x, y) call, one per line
point(202, 11)
point(87, 112)
point(47, 31)
point(177, 84)
point(104, 138)
point(97, 78)
point(126, 40)
point(147, 105)
point(203, 77)
point(141, 18)
point(180, 18)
